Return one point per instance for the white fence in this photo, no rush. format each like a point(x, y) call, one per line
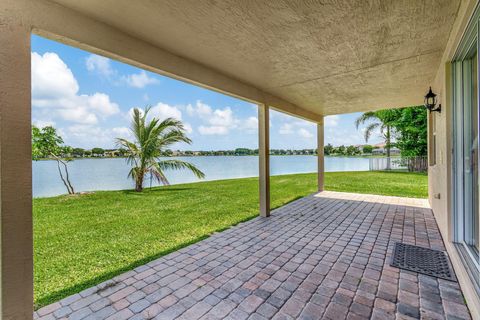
point(411, 164)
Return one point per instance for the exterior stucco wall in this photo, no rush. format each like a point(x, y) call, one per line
point(439, 175)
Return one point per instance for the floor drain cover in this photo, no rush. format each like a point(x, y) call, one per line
point(422, 260)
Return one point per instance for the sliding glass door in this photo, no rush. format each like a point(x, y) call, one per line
point(466, 150)
point(470, 154)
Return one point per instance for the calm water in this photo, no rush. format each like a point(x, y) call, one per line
point(111, 174)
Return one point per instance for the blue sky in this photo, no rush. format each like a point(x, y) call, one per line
point(88, 98)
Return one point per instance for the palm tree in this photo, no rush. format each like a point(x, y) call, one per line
point(151, 138)
point(381, 119)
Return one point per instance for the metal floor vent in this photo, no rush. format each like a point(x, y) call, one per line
point(422, 260)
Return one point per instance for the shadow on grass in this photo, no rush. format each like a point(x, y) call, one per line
point(289, 201)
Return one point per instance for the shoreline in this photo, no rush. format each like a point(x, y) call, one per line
point(211, 156)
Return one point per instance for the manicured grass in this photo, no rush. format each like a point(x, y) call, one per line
point(82, 240)
point(388, 183)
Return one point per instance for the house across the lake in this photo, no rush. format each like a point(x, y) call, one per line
point(381, 150)
point(309, 59)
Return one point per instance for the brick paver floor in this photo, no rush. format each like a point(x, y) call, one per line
point(321, 257)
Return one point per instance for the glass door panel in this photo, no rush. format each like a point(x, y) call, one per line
point(466, 152)
point(470, 140)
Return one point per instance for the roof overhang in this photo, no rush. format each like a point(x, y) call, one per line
point(306, 58)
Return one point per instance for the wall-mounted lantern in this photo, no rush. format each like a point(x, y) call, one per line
point(431, 101)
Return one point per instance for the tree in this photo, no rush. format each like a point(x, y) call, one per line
point(341, 150)
point(46, 143)
point(78, 152)
point(242, 151)
point(328, 149)
point(382, 120)
point(367, 149)
point(408, 126)
point(152, 137)
point(352, 150)
point(122, 152)
point(411, 128)
point(98, 151)
point(167, 153)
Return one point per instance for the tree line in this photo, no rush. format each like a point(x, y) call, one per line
point(352, 150)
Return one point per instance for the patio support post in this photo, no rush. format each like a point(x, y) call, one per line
point(320, 155)
point(16, 240)
point(264, 159)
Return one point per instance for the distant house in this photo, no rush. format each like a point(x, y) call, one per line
point(382, 151)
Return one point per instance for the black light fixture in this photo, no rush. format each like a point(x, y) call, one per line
point(431, 101)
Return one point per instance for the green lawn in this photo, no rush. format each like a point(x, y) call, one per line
point(84, 239)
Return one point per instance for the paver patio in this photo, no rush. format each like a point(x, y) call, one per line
point(325, 256)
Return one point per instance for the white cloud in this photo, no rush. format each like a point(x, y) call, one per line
point(78, 115)
point(139, 80)
point(163, 111)
point(160, 111)
point(251, 124)
point(102, 66)
point(51, 77)
point(222, 117)
point(43, 123)
point(213, 130)
point(304, 123)
point(293, 126)
point(215, 121)
point(286, 128)
point(188, 127)
point(99, 64)
point(80, 135)
point(122, 132)
point(331, 121)
point(304, 133)
point(100, 102)
point(201, 109)
point(54, 88)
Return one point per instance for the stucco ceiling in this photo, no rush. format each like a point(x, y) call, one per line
point(328, 57)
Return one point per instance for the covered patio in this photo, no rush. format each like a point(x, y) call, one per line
point(323, 256)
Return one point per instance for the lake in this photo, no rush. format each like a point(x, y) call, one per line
point(111, 174)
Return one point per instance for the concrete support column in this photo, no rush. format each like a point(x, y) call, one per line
point(16, 241)
point(264, 159)
point(320, 155)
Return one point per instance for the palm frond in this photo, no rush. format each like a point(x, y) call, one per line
point(174, 136)
point(365, 117)
point(151, 137)
point(369, 130)
point(179, 164)
point(157, 172)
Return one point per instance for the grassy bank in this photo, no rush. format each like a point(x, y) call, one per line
point(82, 240)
